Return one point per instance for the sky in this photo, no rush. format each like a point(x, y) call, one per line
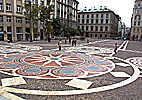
point(124, 8)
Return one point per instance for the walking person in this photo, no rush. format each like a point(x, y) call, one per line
point(115, 49)
point(59, 44)
point(75, 42)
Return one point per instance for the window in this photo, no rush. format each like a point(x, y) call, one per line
point(87, 28)
point(1, 18)
point(102, 15)
point(92, 15)
point(1, 28)
point(92, 21)
point(42, 3)
point(92, 28)
point(78, 21)
point(100, 35)
point(138, 11)
point(139, 23)
point(8, 18)
point(18, 29)
point(82, 27)
point(82, 21)
point(27, 21)
point(96, 28)
point(135, 17)
point(82, 16)
point(106, 21)
point(106, 28)
point(87, 21)
point(18, 20)
point(0, 6)
point(97, 21)
point(107, 15)
point(9, 29)
point(19, 9)
point(139, 17)
point(95, 35)
point(134, 23)
point(102, 21)
point(101, 28)
point(87, 16)
point(97, 15)
point(78, 16)
point(8, 7)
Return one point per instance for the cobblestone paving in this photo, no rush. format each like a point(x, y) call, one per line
point(130, 91)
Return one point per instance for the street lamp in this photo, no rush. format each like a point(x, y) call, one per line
point(28, 2)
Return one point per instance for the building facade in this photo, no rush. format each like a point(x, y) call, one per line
point(136, 27)
point(14, 26)
point(98, 23)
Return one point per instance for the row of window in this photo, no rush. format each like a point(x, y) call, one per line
point(9, 29)
point(92, 21)
point(95, 28)
point(98, 35)
point(9, 8)
point(93, 15)
point(18, 19)
point(137, 30)
point(137, 23)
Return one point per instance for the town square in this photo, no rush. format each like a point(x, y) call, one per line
point(70, 50)
point(88, 71)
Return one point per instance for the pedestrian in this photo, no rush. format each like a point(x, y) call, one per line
point(59, 44)
point(65, 40)
point(115, 49)
point(75, 42)
point(87, 41)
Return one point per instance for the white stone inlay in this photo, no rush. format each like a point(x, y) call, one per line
point(12, 81)
point(82, 84)
point(120, 74)
point(122, 64)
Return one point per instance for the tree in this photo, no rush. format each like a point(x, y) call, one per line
point(31, 13)
point(57, 26)
point(45, 13)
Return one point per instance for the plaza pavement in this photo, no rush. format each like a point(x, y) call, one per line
point(91, 71)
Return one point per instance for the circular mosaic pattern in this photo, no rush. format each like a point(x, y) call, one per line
point(9, 65)
point(31, 71)
point(137, 61)
point(67, 72)
point(55, 65)
point(53, 60)
point(95, 68)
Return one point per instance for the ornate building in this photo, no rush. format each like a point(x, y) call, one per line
point(14, 25)
point(98, 23)
point(136, 27)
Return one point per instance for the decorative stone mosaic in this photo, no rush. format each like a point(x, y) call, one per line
point(55, 65)
point(137, 61)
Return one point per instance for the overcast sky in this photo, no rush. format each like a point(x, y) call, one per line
point(124, 8)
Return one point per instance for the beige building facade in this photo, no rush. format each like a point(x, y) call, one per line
point(14, 26)
point(100, 24)
point(136, 29)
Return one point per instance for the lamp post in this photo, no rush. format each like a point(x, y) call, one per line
point(28, 2)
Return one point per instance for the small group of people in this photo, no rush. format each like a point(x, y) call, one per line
point(74, 42)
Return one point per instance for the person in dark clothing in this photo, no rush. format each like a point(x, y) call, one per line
point(115, 49)
point(72, 42)
point(75, 42)
point(59, 44)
